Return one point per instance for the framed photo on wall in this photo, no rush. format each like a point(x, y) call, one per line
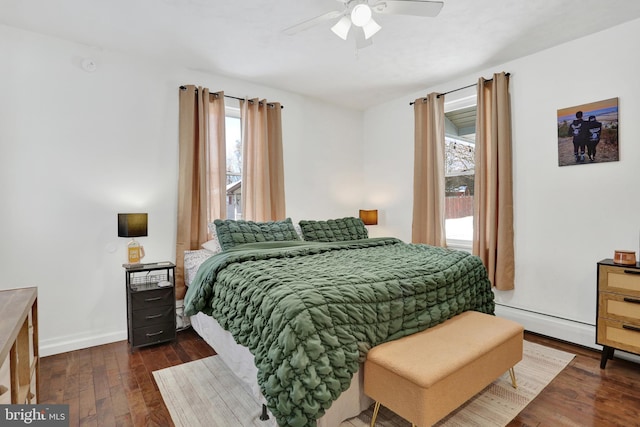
point(588, 133)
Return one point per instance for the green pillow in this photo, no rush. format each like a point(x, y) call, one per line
point(334, 230)
point(236, 232)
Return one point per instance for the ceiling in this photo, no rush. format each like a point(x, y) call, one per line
point(244, 39)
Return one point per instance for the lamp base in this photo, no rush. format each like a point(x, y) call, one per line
point(135, 252)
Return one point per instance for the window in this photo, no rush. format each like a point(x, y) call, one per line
point(460, 129)
point(233, 131)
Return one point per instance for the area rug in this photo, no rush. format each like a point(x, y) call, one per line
point(206, 393)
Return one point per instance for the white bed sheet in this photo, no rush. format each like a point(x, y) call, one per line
point(240, 360)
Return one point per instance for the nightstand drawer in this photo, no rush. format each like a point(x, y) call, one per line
point(154, 334)
point(153, 316)
point(620, 279)
point(153, 298)
point(618, 334)
point(620, 307)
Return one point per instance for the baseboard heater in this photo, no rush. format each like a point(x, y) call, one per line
point(572, 331)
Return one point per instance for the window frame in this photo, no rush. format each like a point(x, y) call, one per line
point(233, 111)
point(461, 99)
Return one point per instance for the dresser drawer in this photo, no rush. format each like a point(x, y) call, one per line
point(619, 307)
point(622, 335)
point(154, 334)
point(153, 298)
point(152, 316)
point(619, 279)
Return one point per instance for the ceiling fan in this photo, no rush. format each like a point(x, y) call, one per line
point(360, 13)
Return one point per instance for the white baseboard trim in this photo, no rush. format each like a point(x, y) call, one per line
point(63, 344)
point(58, 345)
point(566, 330)
point(551, 326)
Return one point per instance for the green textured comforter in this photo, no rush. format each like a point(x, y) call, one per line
point(309, 312)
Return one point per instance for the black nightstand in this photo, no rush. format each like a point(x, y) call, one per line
point(151, 303)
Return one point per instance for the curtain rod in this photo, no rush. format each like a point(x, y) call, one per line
point(235, 97)
point(460, 88)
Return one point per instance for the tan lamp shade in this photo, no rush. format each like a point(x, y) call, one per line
point(369, 217)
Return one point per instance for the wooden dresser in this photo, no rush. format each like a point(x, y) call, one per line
point(618, 322)
point(19, 360)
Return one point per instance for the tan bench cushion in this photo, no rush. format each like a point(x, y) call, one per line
point(426, 375)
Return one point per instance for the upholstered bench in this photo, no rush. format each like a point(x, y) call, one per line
point(425, 376)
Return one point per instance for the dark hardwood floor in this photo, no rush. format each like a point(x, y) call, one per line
point(584, 395)
point(108, 386)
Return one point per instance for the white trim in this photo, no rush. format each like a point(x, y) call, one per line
point(58, 345)
point(563, 329)
point(462, 245)
point(461, 99)
point(232, 108)
point(551, 326)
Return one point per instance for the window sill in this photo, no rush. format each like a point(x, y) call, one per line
point(462, 245)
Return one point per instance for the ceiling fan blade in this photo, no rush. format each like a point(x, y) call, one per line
point(361, 41)
point(305, 25)
point(409, 7)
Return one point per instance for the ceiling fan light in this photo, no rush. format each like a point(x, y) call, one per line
point(342, 27)
point(370, 28)
point(361, 14)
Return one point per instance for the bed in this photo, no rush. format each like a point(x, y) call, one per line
point(295, 318)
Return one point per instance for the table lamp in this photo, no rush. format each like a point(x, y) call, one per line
point(369, 217)
point(133, 225)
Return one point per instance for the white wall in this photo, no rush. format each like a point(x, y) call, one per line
point(76, 148)
point(566, 218)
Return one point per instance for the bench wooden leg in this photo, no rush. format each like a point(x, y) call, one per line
point(512, 372)
point(376, 408)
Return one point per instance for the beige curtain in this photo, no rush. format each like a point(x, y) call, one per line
point(263, 168)
point(202, 170)
point(493, 199)
point(428, 172)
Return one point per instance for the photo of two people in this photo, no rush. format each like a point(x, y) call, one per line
point(588, 133)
